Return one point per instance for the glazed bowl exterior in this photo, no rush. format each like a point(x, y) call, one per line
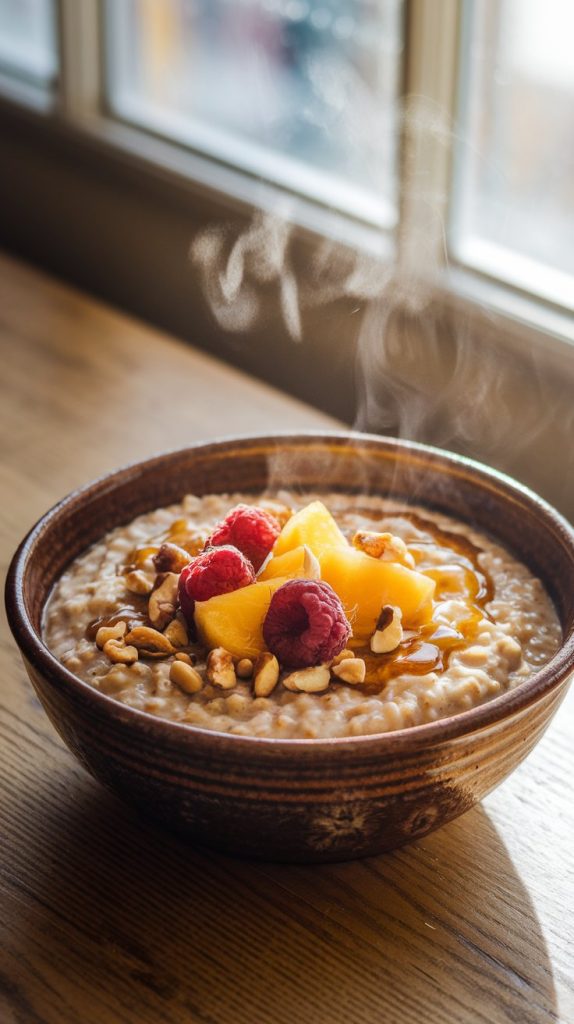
point(297, 800)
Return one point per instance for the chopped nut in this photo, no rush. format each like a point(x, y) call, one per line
point(244, 668)
point(345, 653)
point(350, 670)
point(189, 659)
point(106, 633)
point(265, 674)
point(137, 582)
point(386, 546)
point(171, 558)
point(118, 652)
point(308, 680)
point(150, 642)
point(311, 568)
point(176, 633)
point(220, 668)
point(185, 676)
point(163, 600)
point(389, 631)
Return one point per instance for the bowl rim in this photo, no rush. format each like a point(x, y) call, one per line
point(38, 655)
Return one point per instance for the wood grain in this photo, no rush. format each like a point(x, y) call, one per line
point(104, 920)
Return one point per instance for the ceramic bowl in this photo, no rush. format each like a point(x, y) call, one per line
point(297, 800)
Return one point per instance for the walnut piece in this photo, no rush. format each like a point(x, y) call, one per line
point(163, 600)
point(220, 668)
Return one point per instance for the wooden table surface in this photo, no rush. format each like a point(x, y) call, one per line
point(103, 918)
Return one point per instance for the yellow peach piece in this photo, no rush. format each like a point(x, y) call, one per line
point(313, 526)
point(365, 584)
point(300, 563)
point(235, 621)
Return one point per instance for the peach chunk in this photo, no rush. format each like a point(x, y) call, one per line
point(300, 563)
point(314, 526)
point(235, 620)
point(365, 584)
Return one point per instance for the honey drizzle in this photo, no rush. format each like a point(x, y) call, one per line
point(428, 648)
point(181, 532)
point(132, 616)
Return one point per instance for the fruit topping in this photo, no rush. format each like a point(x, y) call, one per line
point(300, 563)
point(305, 624)
point(215, 571)
point(235, 620)
point(252, 530)
point(314, 526)
point(364, 584)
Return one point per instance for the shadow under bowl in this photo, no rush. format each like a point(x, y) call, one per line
point(297, 800)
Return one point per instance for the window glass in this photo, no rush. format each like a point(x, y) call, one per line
point(514, 173)
point(28, 39)
point(301, 92)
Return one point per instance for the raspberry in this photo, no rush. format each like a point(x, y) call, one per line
point(305, 624)
point(215, 571)
point(250, 529)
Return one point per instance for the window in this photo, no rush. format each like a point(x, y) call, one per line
point(308, 96)
point(301, 93)
point(513, 214)
point(28, 40)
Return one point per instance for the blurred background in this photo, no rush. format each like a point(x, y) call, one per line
point(413, 162)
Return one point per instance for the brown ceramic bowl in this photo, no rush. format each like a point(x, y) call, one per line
point(297, 800)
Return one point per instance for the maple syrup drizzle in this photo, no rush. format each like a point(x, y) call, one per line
point(428, 647)
point(132, 616)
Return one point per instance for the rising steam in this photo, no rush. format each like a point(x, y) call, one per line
point(421, 373)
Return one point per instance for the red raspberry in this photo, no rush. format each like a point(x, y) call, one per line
point(305, 624)
point(216, 571)
point(250, 529)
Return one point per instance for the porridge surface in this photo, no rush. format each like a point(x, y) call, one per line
point(514, 633)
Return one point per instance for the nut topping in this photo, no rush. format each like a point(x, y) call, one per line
point(117, 652)
point(163, 600)
point(244, 668)
point(176, 633)
point(386, 546)
point(220, 668)
point(311, 568)
point(308, 680)
point(171, 558)
point(182, 656)
point(350, 670)
point(150, 642)
point(185, 676)
point(265, 674)
point(137, 582)
point(389, 631)
point(342, 655)
point(106, 633)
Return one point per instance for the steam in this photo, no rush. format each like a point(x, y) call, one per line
point(422, 371)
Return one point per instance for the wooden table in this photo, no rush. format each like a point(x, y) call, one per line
point(104, 920)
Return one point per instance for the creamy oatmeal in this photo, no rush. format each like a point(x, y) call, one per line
point(488, 625)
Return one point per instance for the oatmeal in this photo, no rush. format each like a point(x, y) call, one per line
point(322, 615)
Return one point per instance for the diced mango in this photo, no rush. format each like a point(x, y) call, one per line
point(300, 563)
point(235, 620)
point(365, 584)
point(314, 526)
